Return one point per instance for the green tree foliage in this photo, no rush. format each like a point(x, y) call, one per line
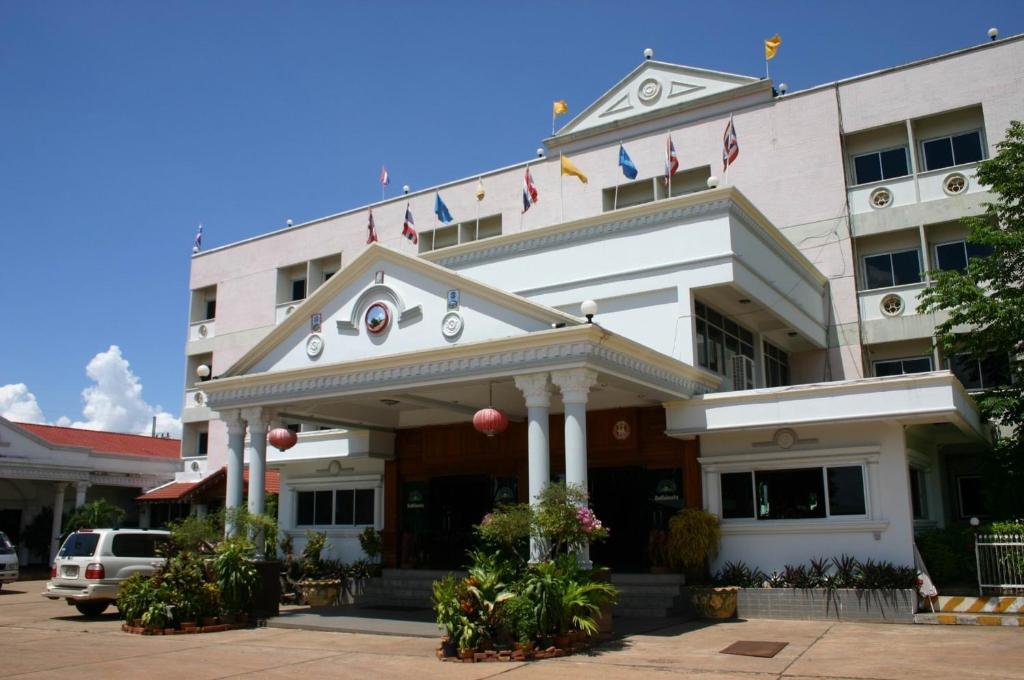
point(988, 298)
point(99, 513)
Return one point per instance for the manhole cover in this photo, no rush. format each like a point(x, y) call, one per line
point(765, 650)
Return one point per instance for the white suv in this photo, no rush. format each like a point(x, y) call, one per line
point(92, 563)
point(8, 561)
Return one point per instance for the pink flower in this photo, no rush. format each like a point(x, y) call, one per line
point(488, 518)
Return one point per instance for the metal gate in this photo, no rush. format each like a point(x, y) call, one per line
point(1000, 559)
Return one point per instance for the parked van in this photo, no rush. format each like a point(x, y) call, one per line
point(8, 561)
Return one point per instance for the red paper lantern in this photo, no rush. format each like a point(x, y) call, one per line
point(490, 421)
point(282, 438)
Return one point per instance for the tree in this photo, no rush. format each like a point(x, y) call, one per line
point(988, 299)
point(98, 513)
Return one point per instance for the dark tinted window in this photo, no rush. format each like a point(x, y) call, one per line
point(211, 309)
point(894, 163)
point(974, 374)
point(954, 256)
point(955, 150)
point(938, 153)
point(972, 497)
point(344, 512)
point(868, 168)
point(364, 506)
point(790, 494)
point(903, 366)
point(298, 289)
point(80, 545)
point(135, 545)
point(737, 495)
point(917, 494)
point(845, 490)
point(304, 514)
point(323, 507)
point(906, 267)
point(892, 269)
point(967, 148)
point(872, 167)
point(202, 441)
point(878, 269)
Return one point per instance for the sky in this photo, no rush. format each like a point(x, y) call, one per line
point(123, 125)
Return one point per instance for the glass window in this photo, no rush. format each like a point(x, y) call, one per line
point(945, 152)
point(211, 309)
point(845, 490)
point(918, 499)
point(878, 165)
point(892, 269)
point(902, 366)
point(80, 545)
point(323, 508)
point(737, 495)
point(202, 443)
point(719, 339)
point(343, 509)
point(305, 502)
point(364, 506)
point(776, 366)
point(972, 497)
point(790, 494)
point(953, 256)
point(981, 374)
point(298, 289)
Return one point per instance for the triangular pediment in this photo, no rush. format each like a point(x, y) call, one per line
point(387, 303)
point(655, 86)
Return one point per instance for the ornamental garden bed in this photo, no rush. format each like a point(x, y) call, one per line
point(821, 604)
point(214, 626)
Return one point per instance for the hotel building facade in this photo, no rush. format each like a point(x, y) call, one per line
point(756, 349)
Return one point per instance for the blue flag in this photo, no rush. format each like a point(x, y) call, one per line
point(626, 163)
point(441, 210)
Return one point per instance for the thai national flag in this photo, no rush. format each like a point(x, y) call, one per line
point(409, 227)
point(671, 160)
point(385, 178)
point(529, 191)
point(198, 244)
point(730, 145)
point(372, 236)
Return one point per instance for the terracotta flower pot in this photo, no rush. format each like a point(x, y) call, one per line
point(465, 653)
point(715, 603)
point(322, 593)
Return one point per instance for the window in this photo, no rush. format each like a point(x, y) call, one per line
point(341, 507)
point(892, 269)
point(945, 152)
point(972, 497)
point(211, 309)
point(879, 165)
point(902, 366)
point(953, 256)
point(202, 442)
point(136, 545)
point(462, 232)
point(981, 374)
point(298, 290)
point(798, 493)
point(918, 494)
point(720, 339)
point(776, 366)
point(80, 545)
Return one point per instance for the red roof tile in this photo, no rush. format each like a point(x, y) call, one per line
point(180, 491)
point(168, 492)
point(108, 442)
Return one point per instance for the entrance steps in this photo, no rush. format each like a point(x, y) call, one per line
point(964, 610)
point(641, 596)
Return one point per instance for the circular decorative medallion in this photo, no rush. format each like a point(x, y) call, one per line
point(377, 318)
point(891, 305)
point(621, 430)
point(955, 183)
point(314, 345)
point(880, 198)
point(203, 331)
point(451, 324)
point(199, 397)
point(785, 438)
point(649, 91)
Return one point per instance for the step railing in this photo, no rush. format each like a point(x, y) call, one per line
point(1000, 560)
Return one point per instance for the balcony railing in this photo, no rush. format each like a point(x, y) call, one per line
point(901, 191)
point(201, 330)
point(891, 302)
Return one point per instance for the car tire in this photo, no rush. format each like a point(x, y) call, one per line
point(91, 608)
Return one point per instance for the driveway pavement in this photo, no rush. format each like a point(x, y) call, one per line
point(44, 639)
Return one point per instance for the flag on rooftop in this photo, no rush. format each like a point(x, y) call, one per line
point(197, 245)
point(730, 145)
point(626, 163)
point(441, 210)
point(409, 227)
point(529, 190)
point(480, 193)
point(671, 160)
point(569, 169)
point(771, 46)
point(371, 237)
point(559, 108)
point(385, 178)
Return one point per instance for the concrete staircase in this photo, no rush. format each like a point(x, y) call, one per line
point(640, 595)
point(961, 610)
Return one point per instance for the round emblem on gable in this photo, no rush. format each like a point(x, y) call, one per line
point(314, 345)
point(785, 438)
point(451, 324)
point(621, 430)
point(649, 91)
point(377, 318)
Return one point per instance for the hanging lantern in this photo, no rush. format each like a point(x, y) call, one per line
point(282, 438)
point(490, 421)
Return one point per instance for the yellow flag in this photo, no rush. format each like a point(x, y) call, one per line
point(480, 189)
point(569, 169)
point(771, 46)
point(560, 107)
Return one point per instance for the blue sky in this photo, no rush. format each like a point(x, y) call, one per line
point(124, 124)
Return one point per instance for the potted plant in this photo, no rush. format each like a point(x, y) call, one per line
point(693, 538)
point(319, 586)
point(236, 578)
point(447, 608)
point(372, 544)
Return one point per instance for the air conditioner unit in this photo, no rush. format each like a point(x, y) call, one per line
point(742, 373)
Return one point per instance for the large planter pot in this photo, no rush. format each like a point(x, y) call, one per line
point(714, 602)
point(321, 593)
point(267, 600)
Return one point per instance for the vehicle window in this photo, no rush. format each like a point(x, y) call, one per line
point(135, 545)
point(80, 545)
point(5, 545)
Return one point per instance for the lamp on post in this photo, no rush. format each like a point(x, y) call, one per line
point(589, 308)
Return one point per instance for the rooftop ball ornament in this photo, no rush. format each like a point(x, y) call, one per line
point(282, 438)
point(490, 421)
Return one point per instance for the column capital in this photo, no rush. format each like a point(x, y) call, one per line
point(60, 486)
point(574, 384)
point(258, 418)
point(535, 388)
point(234, 421)
point(83, 485)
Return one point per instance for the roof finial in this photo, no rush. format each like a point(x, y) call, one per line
point(648, 54)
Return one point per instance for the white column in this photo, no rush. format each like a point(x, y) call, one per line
point(575, 385)
point(236, 440)
point(537, 391)
point(199, 509)
point(80, 489)
point(144, 516)
point(58, 516)
point(258, 425)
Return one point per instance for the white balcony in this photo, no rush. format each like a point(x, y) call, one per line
point(283, 310)
point(882, 195)
point(201, 330)
point(890, 302)
point(879, 197)
point(956, 181)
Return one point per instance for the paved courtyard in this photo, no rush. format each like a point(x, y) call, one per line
point(44, 639)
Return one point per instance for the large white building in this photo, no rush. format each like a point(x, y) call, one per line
point(756, 348)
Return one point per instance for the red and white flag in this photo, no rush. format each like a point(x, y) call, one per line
point(409, 227)
point(529, 191)
point(730, 145)
point(671, 160)
point(371, 237)
point(385, 178)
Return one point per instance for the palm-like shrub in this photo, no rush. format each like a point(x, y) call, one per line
point(236, 576)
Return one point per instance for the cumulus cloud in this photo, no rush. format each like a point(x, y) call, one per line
point(112, 403)
point(18, 404)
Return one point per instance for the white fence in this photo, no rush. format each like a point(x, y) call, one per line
point(1000, 559)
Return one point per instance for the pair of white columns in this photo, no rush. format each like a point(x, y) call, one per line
point(258, 421)
point(58, 511)
point(575, 386)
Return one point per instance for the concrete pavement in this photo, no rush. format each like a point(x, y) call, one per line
point(44, 639)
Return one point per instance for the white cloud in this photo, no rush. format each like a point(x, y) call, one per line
point(20, 405)
point(113, 403)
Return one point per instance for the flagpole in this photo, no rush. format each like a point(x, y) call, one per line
point(669, 163)
point(767, 75)
point(561, 198)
